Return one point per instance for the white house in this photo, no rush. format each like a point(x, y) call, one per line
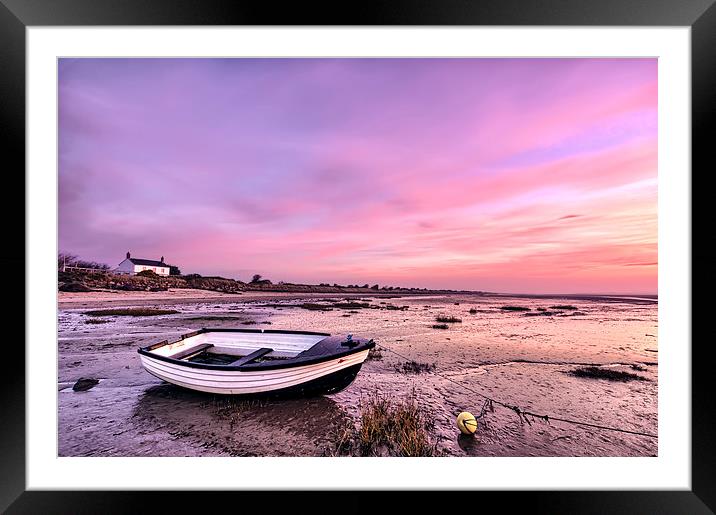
point(134, 265)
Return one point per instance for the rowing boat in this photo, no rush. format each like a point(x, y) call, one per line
point(258, 361)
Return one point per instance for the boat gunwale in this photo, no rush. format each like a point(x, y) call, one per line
point(266, 365)
point(184, 336)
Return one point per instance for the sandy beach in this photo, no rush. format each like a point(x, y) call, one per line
point(519, 359)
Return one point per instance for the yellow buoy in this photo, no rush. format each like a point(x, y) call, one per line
point(466, 423)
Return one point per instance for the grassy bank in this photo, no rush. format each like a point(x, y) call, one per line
point(82, 281)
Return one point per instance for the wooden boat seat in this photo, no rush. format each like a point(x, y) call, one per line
point(191, 351)
point(250, 357)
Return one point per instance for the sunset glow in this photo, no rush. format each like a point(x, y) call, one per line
point(506, 175)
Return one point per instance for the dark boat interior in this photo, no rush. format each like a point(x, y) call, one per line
point(213, 358)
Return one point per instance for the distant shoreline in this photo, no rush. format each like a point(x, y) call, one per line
point(579, 296)
point(87, 282)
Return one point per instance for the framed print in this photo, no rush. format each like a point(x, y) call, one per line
point(302, 251)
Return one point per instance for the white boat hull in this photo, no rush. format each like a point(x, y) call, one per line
point(237, 382)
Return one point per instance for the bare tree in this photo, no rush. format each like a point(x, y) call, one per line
point(65, 259)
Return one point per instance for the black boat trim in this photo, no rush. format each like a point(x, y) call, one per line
point(266, 365)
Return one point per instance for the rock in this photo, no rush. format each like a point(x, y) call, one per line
point(130, 287)
point(74, 287)
point(84, 384)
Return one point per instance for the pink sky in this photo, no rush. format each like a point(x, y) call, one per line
point(509, 175)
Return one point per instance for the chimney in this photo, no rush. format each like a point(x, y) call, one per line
point(128, 256)
point(162, 260)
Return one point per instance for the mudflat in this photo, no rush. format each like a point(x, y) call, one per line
point(443, 350)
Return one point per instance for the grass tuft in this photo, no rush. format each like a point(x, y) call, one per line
point(394, 428)
point(352, 305)
point(343, 437)
point(414, 367)
point(315, 307)
point(440, 326)
point(387, 428)
point(514, 308)
point(605, 373)
point(232, 409)
point(375, 354)
point(211, 318)
point(447, 319)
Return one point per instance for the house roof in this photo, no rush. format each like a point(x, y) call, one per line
point(147, 262)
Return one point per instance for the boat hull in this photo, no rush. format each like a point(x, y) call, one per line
point(326, 377)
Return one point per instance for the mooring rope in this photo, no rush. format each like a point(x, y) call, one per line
point(523, 414)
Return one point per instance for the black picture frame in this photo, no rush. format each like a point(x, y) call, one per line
point(17, 15)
